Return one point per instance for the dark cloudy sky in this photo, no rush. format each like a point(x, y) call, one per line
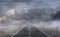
point(15, 14)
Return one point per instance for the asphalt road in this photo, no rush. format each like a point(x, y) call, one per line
point(32, 32)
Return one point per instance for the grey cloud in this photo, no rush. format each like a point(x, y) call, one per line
point(26, 1)
point(5, 0)
point(21, 0)
point(35, 14)
point(38, 10)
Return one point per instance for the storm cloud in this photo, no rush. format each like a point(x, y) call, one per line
point(16, 14)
